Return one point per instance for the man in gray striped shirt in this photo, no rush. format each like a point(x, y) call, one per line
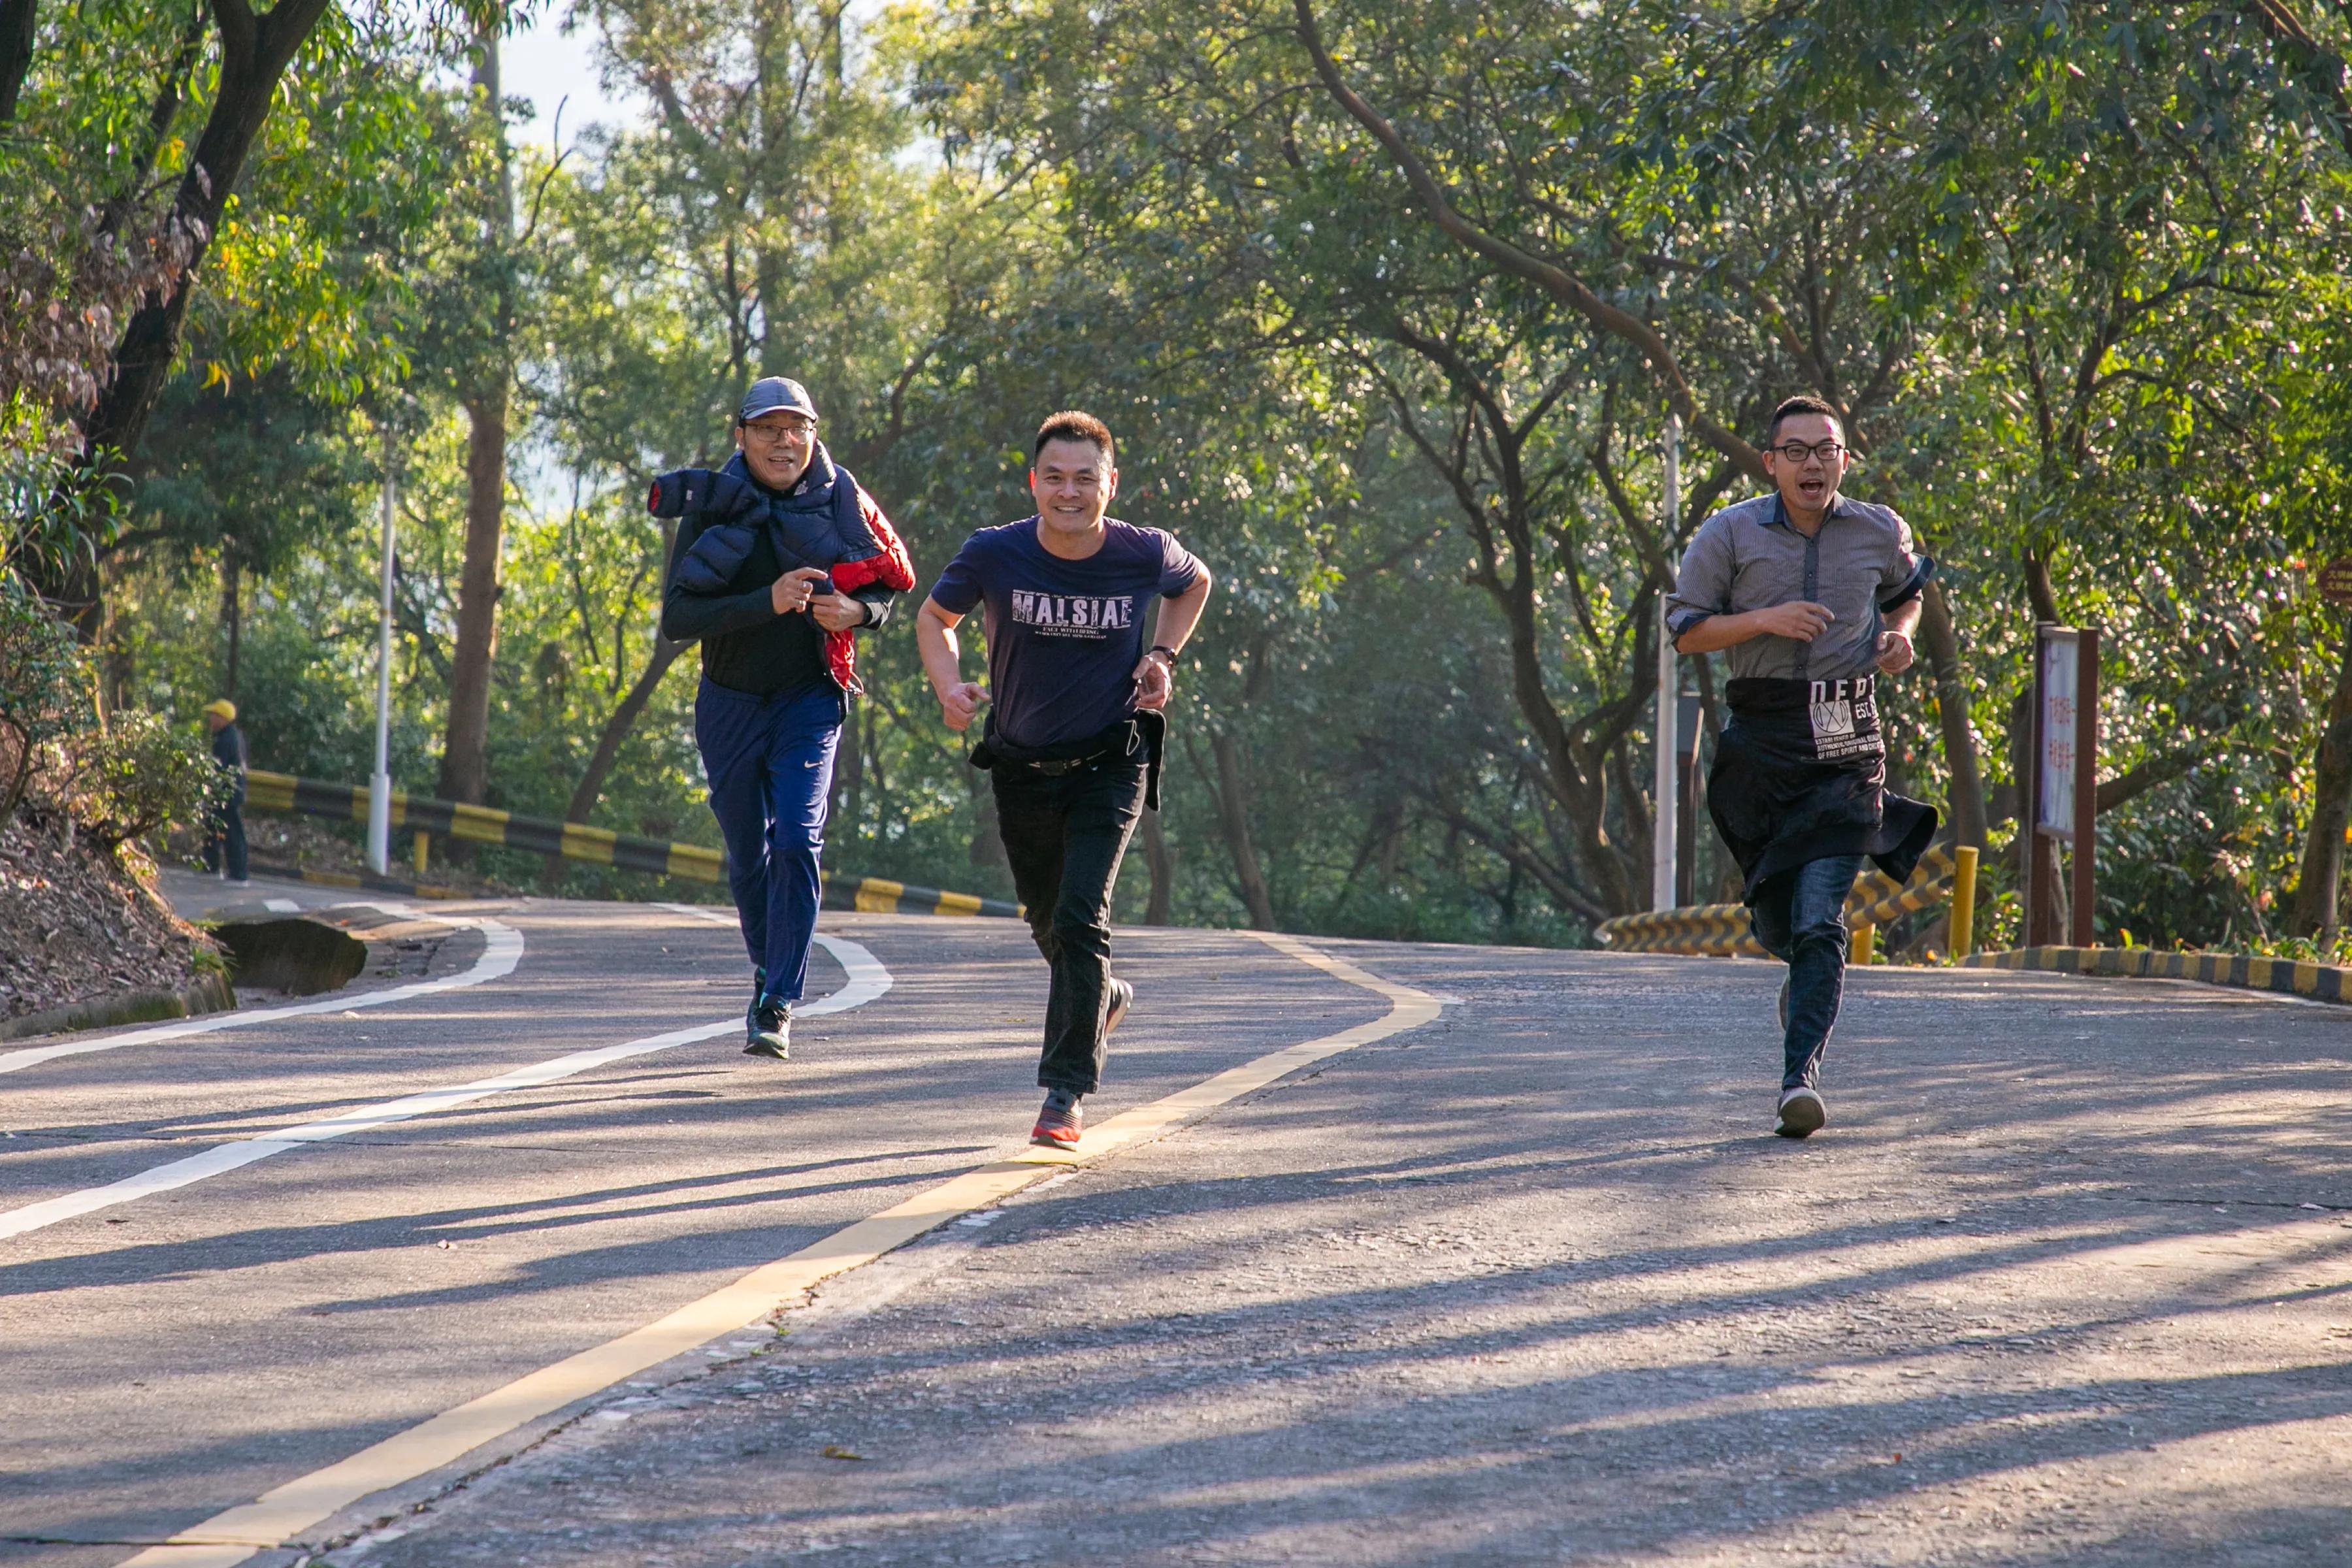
point(1811, 596)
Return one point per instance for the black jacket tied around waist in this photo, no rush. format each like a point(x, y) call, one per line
point(1800, 775)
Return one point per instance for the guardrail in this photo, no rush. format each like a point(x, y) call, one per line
point(1720, 931)
point(594, 846)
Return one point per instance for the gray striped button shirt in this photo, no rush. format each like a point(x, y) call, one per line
point(1860, 563)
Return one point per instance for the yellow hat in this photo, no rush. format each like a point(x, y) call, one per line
point(223, 708)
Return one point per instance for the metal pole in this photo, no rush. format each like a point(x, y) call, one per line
point(379, 851)
point(2029, 817)
point(1665, 792)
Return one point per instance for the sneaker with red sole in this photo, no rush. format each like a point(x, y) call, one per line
point(1059, 1123)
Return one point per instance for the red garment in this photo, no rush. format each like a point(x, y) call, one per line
point(892, 569)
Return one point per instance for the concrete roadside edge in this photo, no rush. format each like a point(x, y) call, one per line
point(210, 993)
point(2236, 970)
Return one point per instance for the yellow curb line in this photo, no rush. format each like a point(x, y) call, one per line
point(283, 1512)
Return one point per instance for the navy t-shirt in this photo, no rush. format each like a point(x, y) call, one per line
point(1064, 637)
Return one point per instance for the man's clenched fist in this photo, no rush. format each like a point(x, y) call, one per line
point(958, 702)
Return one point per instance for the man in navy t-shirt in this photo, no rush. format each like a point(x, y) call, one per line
point(1073, 738)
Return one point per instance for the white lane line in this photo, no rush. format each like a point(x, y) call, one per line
point(868, 980)
point(281, 906)
point(501, 950)
point(279, 1515)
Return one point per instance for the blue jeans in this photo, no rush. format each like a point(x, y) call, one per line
point(1800, 920)
point(768, 761)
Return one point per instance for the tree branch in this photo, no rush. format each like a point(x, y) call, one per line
point(1550, 277)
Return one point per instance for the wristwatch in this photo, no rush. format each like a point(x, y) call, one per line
point(1161, 647)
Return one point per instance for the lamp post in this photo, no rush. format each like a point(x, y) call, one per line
point(379, 849)
point(1665, 792)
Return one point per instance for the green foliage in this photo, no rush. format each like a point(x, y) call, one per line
point(2077, 273)
point(138, 774)
point(54, 512)
point(44, 689)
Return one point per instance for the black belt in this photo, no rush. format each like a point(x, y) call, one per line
point(1055, 767)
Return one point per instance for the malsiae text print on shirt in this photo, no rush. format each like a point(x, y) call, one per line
point(1073, 615)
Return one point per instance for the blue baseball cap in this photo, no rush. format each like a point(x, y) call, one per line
point(771, 394)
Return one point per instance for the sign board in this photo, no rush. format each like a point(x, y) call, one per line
point(2061, 662)
point(2063, 787)
point(2334, 581)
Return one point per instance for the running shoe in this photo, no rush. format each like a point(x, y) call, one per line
point(1057, 1123)
point(772, 1029)
point(1122, 997)
point(1802, 1113)
point(750, 1013)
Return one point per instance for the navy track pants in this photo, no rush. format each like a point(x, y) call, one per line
point(768, 761)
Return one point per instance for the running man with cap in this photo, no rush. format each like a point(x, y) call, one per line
point(1074, 732)
point(1813, 596)
point(780, 558)
point(224, 849)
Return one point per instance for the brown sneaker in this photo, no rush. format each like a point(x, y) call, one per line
point(1057, 1123)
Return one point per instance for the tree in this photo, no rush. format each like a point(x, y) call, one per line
point(486, 380)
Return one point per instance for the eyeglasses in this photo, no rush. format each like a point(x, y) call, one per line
point(779, 430)
point(1796, 452)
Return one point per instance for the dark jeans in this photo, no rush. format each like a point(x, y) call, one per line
point(1064, 838)
point(1801, 920)
point(224, 838)
point(768, 761)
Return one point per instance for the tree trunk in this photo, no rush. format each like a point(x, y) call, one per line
point(1162, 860)
point(464, 767)
point(618, 726)
point(118, 669)
point(254, 53)
point(1232, 814)
point(2318, 890)
point(16, 18)
point(1583, 790)
point(465, 747)
point(232, 619)
point(1941, 642)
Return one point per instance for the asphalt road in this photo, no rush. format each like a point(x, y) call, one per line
point(2065, 1281)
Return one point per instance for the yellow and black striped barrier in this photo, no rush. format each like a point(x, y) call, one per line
point(1720, 931)
point(2294, 977)
point(1877, 900)
point(1700, 930)
point(576, 841)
